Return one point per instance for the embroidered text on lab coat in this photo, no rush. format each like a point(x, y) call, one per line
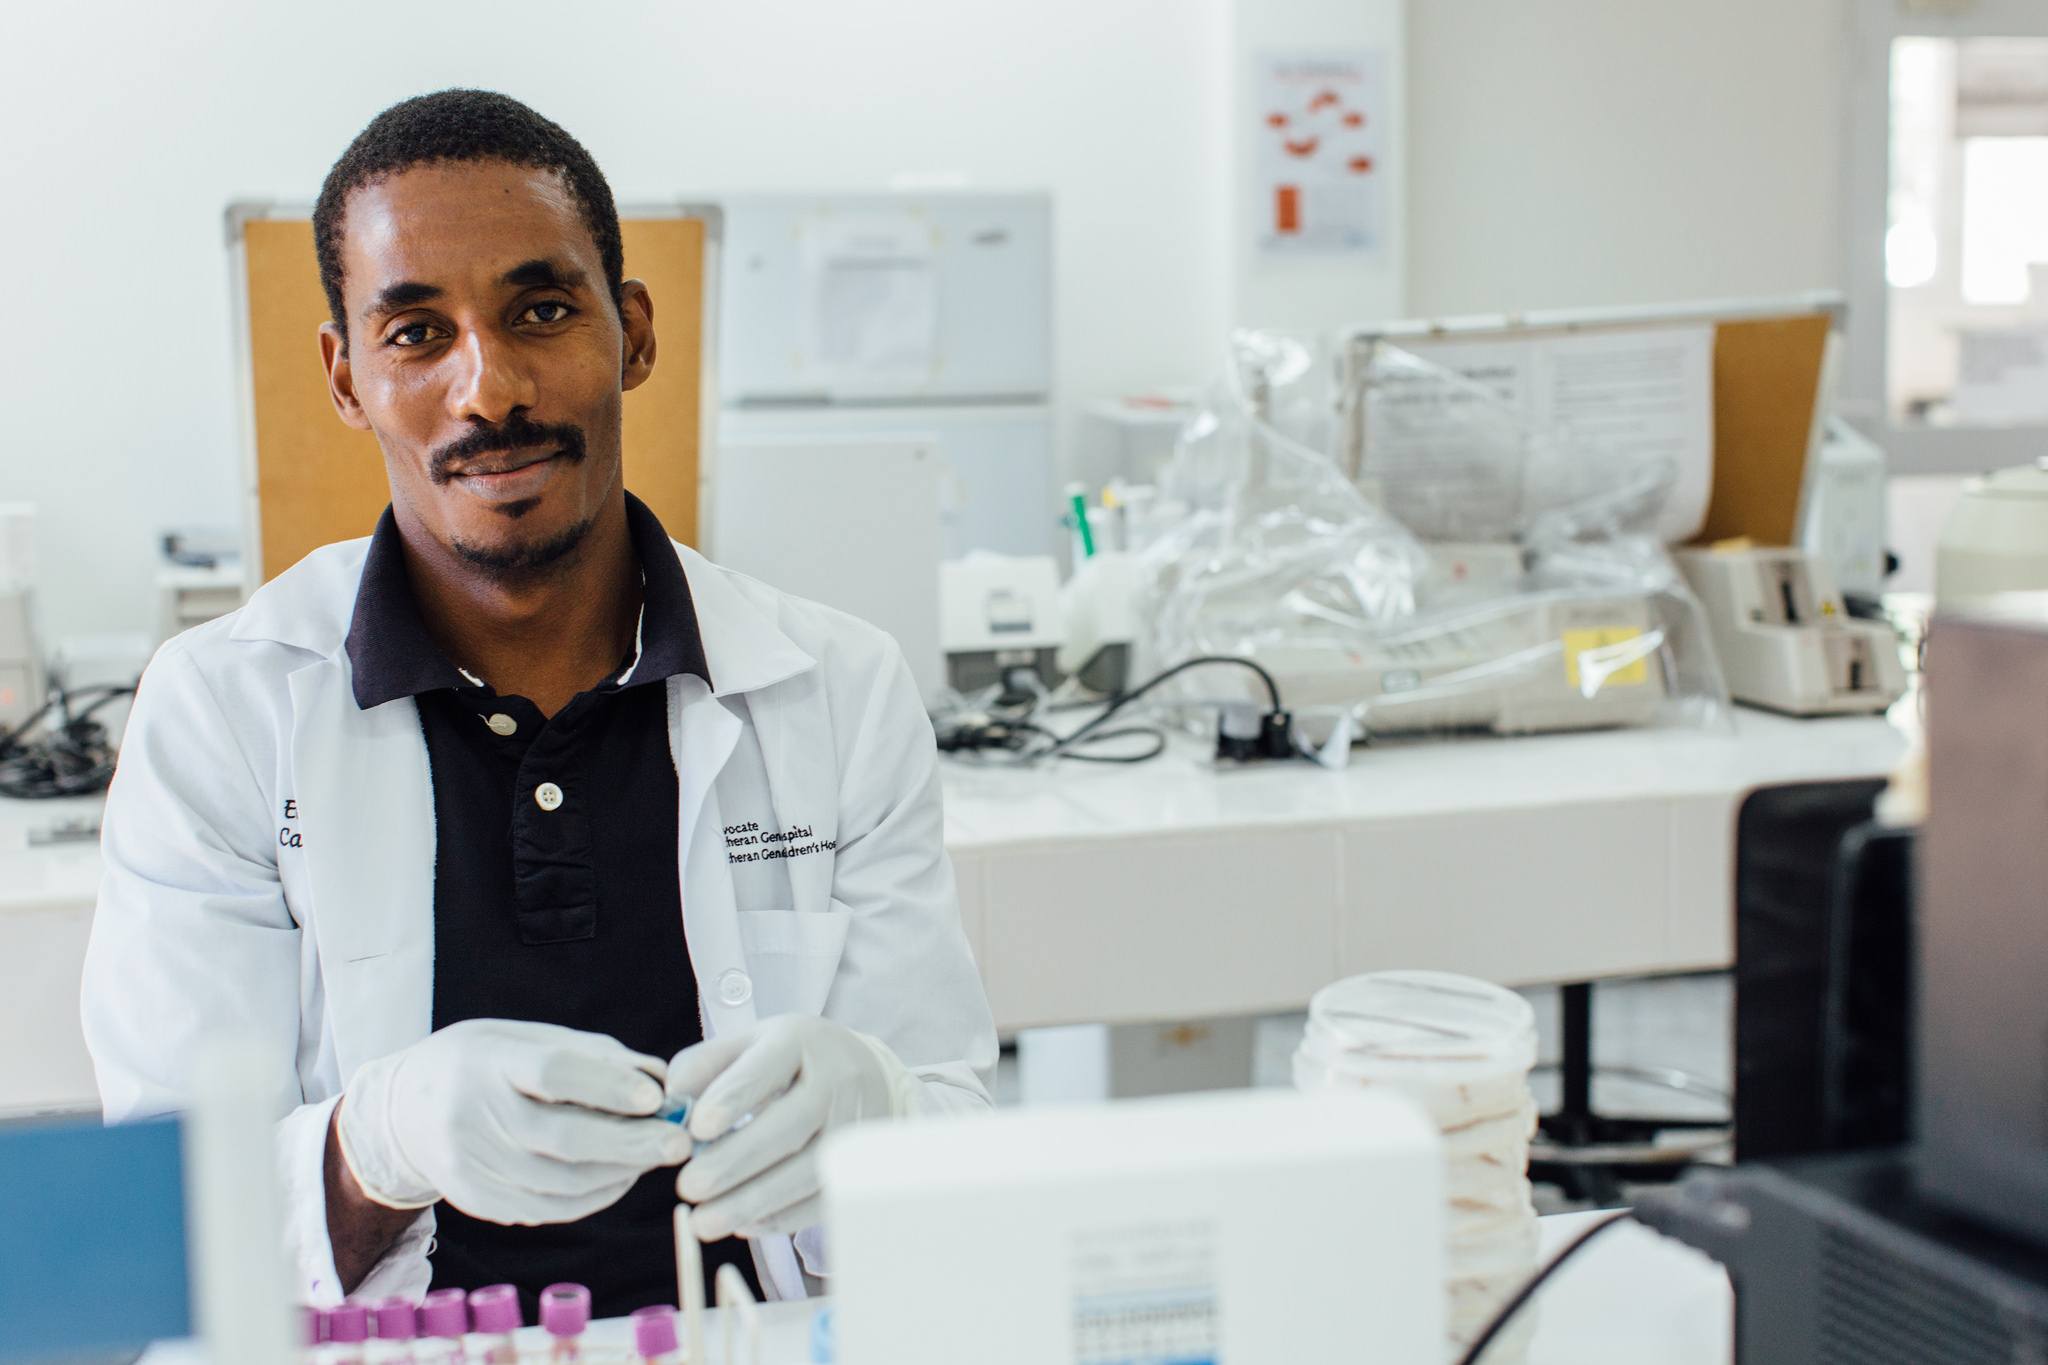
point(746, 843)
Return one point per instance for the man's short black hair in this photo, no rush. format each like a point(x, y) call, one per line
point(461, 125)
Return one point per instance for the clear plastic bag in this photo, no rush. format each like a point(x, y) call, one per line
point(1469, 573)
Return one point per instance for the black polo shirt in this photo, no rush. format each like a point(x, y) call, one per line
point(556, 890)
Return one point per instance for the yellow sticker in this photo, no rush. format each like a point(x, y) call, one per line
point(1613, 657)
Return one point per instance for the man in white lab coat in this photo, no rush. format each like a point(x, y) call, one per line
point(508, 831)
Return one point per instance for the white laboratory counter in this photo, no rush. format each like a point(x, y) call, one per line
point(1630, 1298)
point(1169, 891)
point(46, 899)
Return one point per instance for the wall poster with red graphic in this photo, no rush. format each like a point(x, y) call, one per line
point(1319, 167)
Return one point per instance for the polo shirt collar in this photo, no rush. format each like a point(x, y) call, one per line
point(392, 654)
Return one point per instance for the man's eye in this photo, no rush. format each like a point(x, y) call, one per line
point(547, 311)
point(414, 334)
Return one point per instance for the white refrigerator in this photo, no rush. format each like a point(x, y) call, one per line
point(922, 317)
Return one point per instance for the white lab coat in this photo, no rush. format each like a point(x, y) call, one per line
point(269, 875)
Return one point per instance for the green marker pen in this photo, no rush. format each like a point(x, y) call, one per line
point(1077, 497)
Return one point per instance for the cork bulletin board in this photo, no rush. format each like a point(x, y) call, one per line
point(314, 481)
point(1767, 381)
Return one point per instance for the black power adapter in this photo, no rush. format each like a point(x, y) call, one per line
point(1274, 738)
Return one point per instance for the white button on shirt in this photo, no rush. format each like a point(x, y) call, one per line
point(547, 796)
point(735, 987)
point(502, 724)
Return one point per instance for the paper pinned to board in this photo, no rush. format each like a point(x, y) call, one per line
point(871, 298)
point(1615, 403)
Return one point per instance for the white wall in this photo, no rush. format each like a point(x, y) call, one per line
point(1562, 152)
point(1589, 152)
point(130, 127)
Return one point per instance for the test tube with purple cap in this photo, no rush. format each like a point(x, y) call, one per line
point(394, 1324)
point(443, 1320)
point(348, 1328)
point(654, 1335)
point(564, 1314)
point(493, 1318)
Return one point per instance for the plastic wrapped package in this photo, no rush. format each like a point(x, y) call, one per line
point(1469, 573)
point(1266, 520)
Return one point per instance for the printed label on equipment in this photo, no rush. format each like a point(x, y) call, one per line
point(1146, 1295)
point(1613, 656)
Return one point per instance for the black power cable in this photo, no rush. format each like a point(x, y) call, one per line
point(1009, 729)
point(75, 759)
point(1124, 699)
point(1477, 1350)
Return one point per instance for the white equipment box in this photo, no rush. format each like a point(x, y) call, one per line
point(1254, 1228)
point(1785, 640)
point(853, 524)
point(999, 612)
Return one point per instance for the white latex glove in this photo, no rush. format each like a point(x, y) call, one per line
point(791, 1078)
point(511, 1122)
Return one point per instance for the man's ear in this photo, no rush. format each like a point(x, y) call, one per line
point(341, 380)
point(636, 318)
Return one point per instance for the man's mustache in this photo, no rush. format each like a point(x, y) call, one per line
point(519, 433)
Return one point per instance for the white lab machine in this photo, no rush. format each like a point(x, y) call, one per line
point(1996, 539)
point(21, 665)
point(21, 661)
point(190, 595)
point(1844, 509)
point(204, 577)
point(852, 523)
point(1000, 612)
point(1785, 641)
point(1251, 1226)
point(1525, 665)
point(878, 315)
point(1484, 657)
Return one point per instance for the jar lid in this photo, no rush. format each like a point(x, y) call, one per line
point(1425, 1017)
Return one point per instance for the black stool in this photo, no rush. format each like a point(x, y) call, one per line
point(1590, 1155)
point(1788, 872)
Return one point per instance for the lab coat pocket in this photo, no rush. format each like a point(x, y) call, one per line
point(792, 956)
